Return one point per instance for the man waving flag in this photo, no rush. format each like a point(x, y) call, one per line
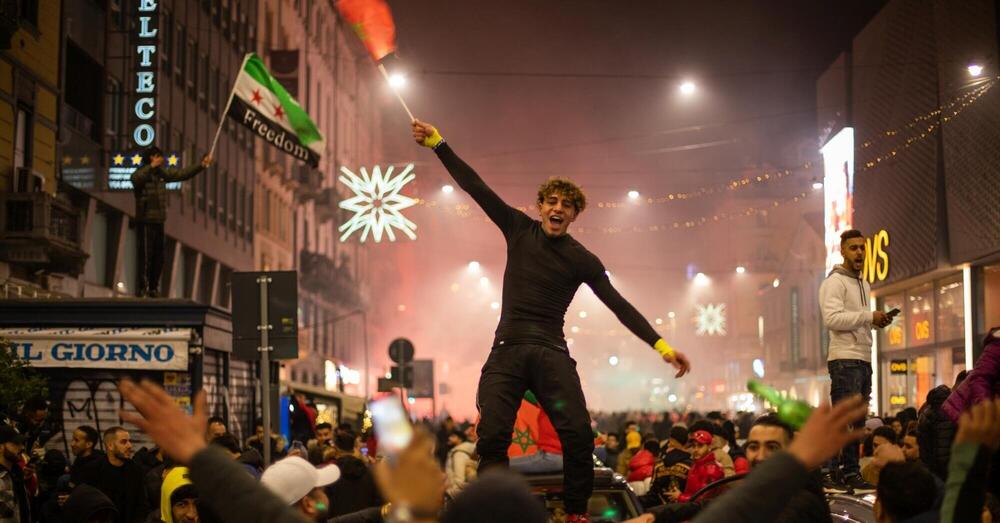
point(259, 102)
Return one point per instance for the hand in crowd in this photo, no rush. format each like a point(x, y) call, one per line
point(180, 436)
point(414, 479)
point(887, 453)
point(827, 431)
point(680, 362)
point(207, 160)
point(981, 424)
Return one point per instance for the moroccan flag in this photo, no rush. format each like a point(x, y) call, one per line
point(259, 102)
point(372, 21)
point(533, 430)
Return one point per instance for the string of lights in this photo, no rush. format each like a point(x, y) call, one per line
point(943, 115)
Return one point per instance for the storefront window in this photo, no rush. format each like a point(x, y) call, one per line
point(894, 336)
point(920, 307)
point(991, 291)
point(950, 309)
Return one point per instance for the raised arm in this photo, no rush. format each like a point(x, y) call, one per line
point(180, 175)
point(635, 322)
point(505, 216)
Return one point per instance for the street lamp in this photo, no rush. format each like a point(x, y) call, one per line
point(701, 279)
point(975, 70)
point(397, 81)
point(688, 88)
point(447, 189)
point(633, 195)
point(474, 266)
point(741, 269)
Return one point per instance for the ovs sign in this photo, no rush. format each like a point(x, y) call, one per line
point(877, 258)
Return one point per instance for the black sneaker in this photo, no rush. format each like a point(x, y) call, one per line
point(858, 485)
point(833, 483)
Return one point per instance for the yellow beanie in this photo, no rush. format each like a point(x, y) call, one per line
point(633, 440)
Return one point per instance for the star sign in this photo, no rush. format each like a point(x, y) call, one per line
point(85, 160)
point(522, 438)
point(172, 160)
point(137, 159)
point(118, 159)
point(279, 112)
point(256, 97)
point(67, 160)
point(376, 203)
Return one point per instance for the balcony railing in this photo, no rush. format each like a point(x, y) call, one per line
point(42, 232)
point(333, 282)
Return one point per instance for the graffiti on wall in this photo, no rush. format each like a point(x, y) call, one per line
point(93, 401)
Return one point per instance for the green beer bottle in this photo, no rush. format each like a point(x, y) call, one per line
point(792, 412)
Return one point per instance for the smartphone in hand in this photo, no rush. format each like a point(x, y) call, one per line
point(392, 426)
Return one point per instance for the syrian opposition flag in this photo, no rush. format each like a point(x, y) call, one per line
point(372, 21)
point(259, 102)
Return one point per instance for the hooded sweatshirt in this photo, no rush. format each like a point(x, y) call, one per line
point(844, 302)
point(85, 502)
point(175, 479)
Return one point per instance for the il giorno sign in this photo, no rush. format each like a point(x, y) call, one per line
point(877, 258)
point(146, 349)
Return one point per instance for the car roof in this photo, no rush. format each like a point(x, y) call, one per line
point(603, 478)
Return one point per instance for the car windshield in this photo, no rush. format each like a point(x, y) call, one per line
point(604, 506)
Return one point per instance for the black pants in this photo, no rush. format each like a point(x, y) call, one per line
point(551, 375)
point(847, 378)
point(150, 259)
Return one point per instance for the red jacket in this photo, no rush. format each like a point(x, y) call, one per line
point(704, 470)
point(641, 466)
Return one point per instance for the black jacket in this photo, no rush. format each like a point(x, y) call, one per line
point(149, 184)
point(355, 490)
point(935, 432)
point(85, 502)
point(123, 485)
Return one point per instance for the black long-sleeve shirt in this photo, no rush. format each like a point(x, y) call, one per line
point(542, 273)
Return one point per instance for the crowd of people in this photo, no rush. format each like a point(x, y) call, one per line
point(924, 466)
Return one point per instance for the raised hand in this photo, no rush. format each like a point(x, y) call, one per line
point(179, 435)
point(827, 431)
point(680, 362)
point(425, 134)
point(981, 424)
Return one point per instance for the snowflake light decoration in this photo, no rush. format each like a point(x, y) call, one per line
point(711, 320)
point(376, 203)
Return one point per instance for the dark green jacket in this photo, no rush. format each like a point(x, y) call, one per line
point(150, 187)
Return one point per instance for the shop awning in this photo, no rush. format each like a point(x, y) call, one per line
point(102, 348)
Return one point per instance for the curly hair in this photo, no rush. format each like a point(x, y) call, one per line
point(566, 188)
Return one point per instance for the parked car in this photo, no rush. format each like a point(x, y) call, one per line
point(612, 500)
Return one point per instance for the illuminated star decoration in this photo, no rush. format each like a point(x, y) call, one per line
point(137, 160)
point(711, 320)
point(118, 159)
point(172, 160)
point(376, 203)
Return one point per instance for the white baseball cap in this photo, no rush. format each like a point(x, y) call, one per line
point(293, 478)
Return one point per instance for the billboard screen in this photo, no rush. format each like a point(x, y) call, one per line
point(838, 191)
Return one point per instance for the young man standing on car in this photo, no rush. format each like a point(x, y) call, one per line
point(845, 303)
point(545, 267)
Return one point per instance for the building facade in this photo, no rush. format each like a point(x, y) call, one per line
point(924, 186)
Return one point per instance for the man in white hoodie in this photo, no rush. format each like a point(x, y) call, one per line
point(845, 302)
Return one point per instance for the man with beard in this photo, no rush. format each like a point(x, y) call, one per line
point(845, 303)
point(84, 449)
point(118, 477)
point(15, 503)
point(545, 267)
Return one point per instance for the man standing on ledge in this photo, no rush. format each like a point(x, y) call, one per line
point(545, 266)
point(846, 307)
point(149, 184)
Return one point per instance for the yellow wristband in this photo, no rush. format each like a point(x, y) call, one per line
point(433, 140)
point(663, 348)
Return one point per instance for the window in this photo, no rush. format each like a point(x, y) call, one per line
point(223, 194)
point(180, 64)
point(894, 336)
point(113, 109)
point(29, 12)
point(232, 203)
point(212, 191)
point(167, 44)
point(96, 268)
point(192, 70)
point(951, 309)
point(22, 140)
point(920, 306)
point(213, 93)
point(203, 84)
point(991, 295)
